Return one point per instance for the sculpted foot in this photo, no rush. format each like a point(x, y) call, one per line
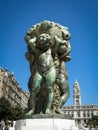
point(47, 111)
point(30, 112)
point(59, 111)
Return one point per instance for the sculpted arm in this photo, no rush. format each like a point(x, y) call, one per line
point(58, 41)
point(32, 43)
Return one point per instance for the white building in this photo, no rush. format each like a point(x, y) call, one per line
point(81, 113)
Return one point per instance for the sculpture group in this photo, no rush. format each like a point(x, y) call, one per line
point(48, 49)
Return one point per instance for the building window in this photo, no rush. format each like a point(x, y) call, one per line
point(91, 114)
point(78, 121)
point(78, 114)
point(84, 121)
point(84, 115)
point(77, 102)
point(88, 115)
point(77, 96)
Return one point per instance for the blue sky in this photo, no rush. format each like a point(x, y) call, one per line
point(80, 16)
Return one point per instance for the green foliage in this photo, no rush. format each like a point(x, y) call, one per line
point(93, 121)
point(17, 113)
point(9, 113)
point(5, 109)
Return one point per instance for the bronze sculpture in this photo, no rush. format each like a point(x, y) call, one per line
point(48, 49)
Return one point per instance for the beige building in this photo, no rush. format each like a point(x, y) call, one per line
point(10, 89)
point(81, 113)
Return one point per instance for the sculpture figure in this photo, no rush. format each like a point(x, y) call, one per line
point(48, 50)
point(61, 72)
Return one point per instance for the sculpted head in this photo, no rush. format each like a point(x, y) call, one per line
point(44, 41)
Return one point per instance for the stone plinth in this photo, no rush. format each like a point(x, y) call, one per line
point(45, 124)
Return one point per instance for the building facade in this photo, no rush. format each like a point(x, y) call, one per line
point(10, 89)
point(80, 113)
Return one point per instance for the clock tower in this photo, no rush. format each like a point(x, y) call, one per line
point(76, 94)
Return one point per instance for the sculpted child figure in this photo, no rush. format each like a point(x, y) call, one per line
point(45, 69)
point(61, 57)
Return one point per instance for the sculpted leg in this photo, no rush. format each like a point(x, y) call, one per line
point(30, 89)
point(65, 93)
point(50, 81)
point(35, 87)
point(64, 98)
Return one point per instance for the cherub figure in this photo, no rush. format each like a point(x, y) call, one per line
point(45, 69)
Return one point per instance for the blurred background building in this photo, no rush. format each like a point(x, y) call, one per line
point(10, 89)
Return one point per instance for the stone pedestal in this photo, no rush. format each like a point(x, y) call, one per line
point(45, 124)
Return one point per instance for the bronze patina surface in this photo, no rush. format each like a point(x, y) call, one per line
point(48, 49)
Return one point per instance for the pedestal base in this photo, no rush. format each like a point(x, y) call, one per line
point(45, 124)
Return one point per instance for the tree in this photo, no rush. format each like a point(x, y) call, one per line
point(93, 121)
point(17, 113)
point(9, 113)
point(5, 109)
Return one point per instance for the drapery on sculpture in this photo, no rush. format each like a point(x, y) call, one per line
point(48, 49)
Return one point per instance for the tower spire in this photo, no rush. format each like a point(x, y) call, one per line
point(76, 93)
